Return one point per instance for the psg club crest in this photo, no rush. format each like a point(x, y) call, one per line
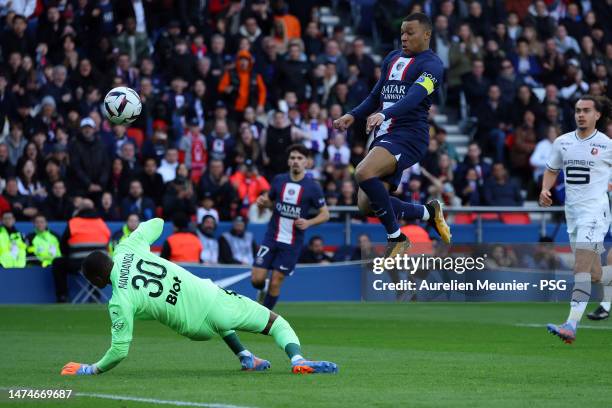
point(594, 151)
point(290, 192)
point(399, 66)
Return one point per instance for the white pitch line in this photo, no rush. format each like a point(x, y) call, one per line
point(139, 399)
point(580, 326)
point(158, 401)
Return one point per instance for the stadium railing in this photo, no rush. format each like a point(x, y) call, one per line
point(478, 212)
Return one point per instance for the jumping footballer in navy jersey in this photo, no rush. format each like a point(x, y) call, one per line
point(291, 196)
point(409, 78)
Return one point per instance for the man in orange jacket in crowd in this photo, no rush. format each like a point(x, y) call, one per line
point(242, 86)
point(86, 232)
point(249, 184)
point(183, 245)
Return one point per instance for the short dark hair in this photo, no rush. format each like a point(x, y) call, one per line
point(422, 19)
point(180, 220)
point(96, 264)
point(314, 238)
point(300, 148)
point(603, 106)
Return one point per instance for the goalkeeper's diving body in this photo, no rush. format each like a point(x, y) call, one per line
point(147, 287)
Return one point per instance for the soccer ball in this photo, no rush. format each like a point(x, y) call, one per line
point(122, 105)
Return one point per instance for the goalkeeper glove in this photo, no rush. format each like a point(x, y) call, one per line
point(79, 369)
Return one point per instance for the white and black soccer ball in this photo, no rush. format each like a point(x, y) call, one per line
point(122, 105)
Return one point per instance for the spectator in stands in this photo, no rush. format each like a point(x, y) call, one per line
point(28, 184)
point(137, 203)
point(364, 62)
point(109, 210)
point(315, 252)
point(525, 63)
point(207, 207)
point(334, 56)
point(238, 245)
point(131, 223)
point(525, 101)
point(7, 169)
point(508, 81)
point(541, 154)
point(499, 190)
point(249, 184)
point(131, 42)
point(219, 186)
point(12, 244)
point(259, 215)
point(183, 245)
point(221, 144)
point(475, 86)
point(338, 152)
point(242, 86)
point(157, 146)
point(23, 207)
point(58, 206)
point(501, 257)
point(540, 18)
point(179, 196)
point(43, 244)
point(89, 162)
point(210, 244)
point(364, 249)
point(85, 232)
point(247, 147)
point(16, 143)
point(152, 182)
point(192, 150)
point(565, 43)
point(279, 135)
point(168, 165)
point(119, 180)
point(293, 72)
point(461, 55)
point(473, 160)
point(525, 139)
point(470, 189)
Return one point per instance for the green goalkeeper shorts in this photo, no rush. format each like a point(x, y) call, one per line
point(231, 311)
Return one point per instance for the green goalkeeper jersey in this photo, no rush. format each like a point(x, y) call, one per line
point(147, 287)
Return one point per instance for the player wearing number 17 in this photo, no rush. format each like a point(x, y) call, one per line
point(585, 156)
point(146, 286)
point(401, 132)
point(291, 197)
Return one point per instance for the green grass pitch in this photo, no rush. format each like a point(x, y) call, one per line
point(413, 355)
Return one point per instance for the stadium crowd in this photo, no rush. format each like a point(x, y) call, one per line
point(227, 86)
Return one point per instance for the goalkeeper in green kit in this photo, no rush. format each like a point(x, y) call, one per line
point(146, 286)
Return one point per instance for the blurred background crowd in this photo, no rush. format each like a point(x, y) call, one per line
point(226, 86)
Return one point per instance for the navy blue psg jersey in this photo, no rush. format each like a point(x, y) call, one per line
point(404, 91)
point(292, 200)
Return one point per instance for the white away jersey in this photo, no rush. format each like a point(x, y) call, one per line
point(586, 164)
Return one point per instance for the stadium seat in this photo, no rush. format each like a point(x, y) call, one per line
point(464, 218)
point(137, 135)
point(515, 218)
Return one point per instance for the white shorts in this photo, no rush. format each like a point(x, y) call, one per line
point(588, 234)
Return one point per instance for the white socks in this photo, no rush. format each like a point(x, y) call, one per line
point(295, 358)
point(425, 214)
point(580, 297)
point(606, 280)
point(394, 235)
